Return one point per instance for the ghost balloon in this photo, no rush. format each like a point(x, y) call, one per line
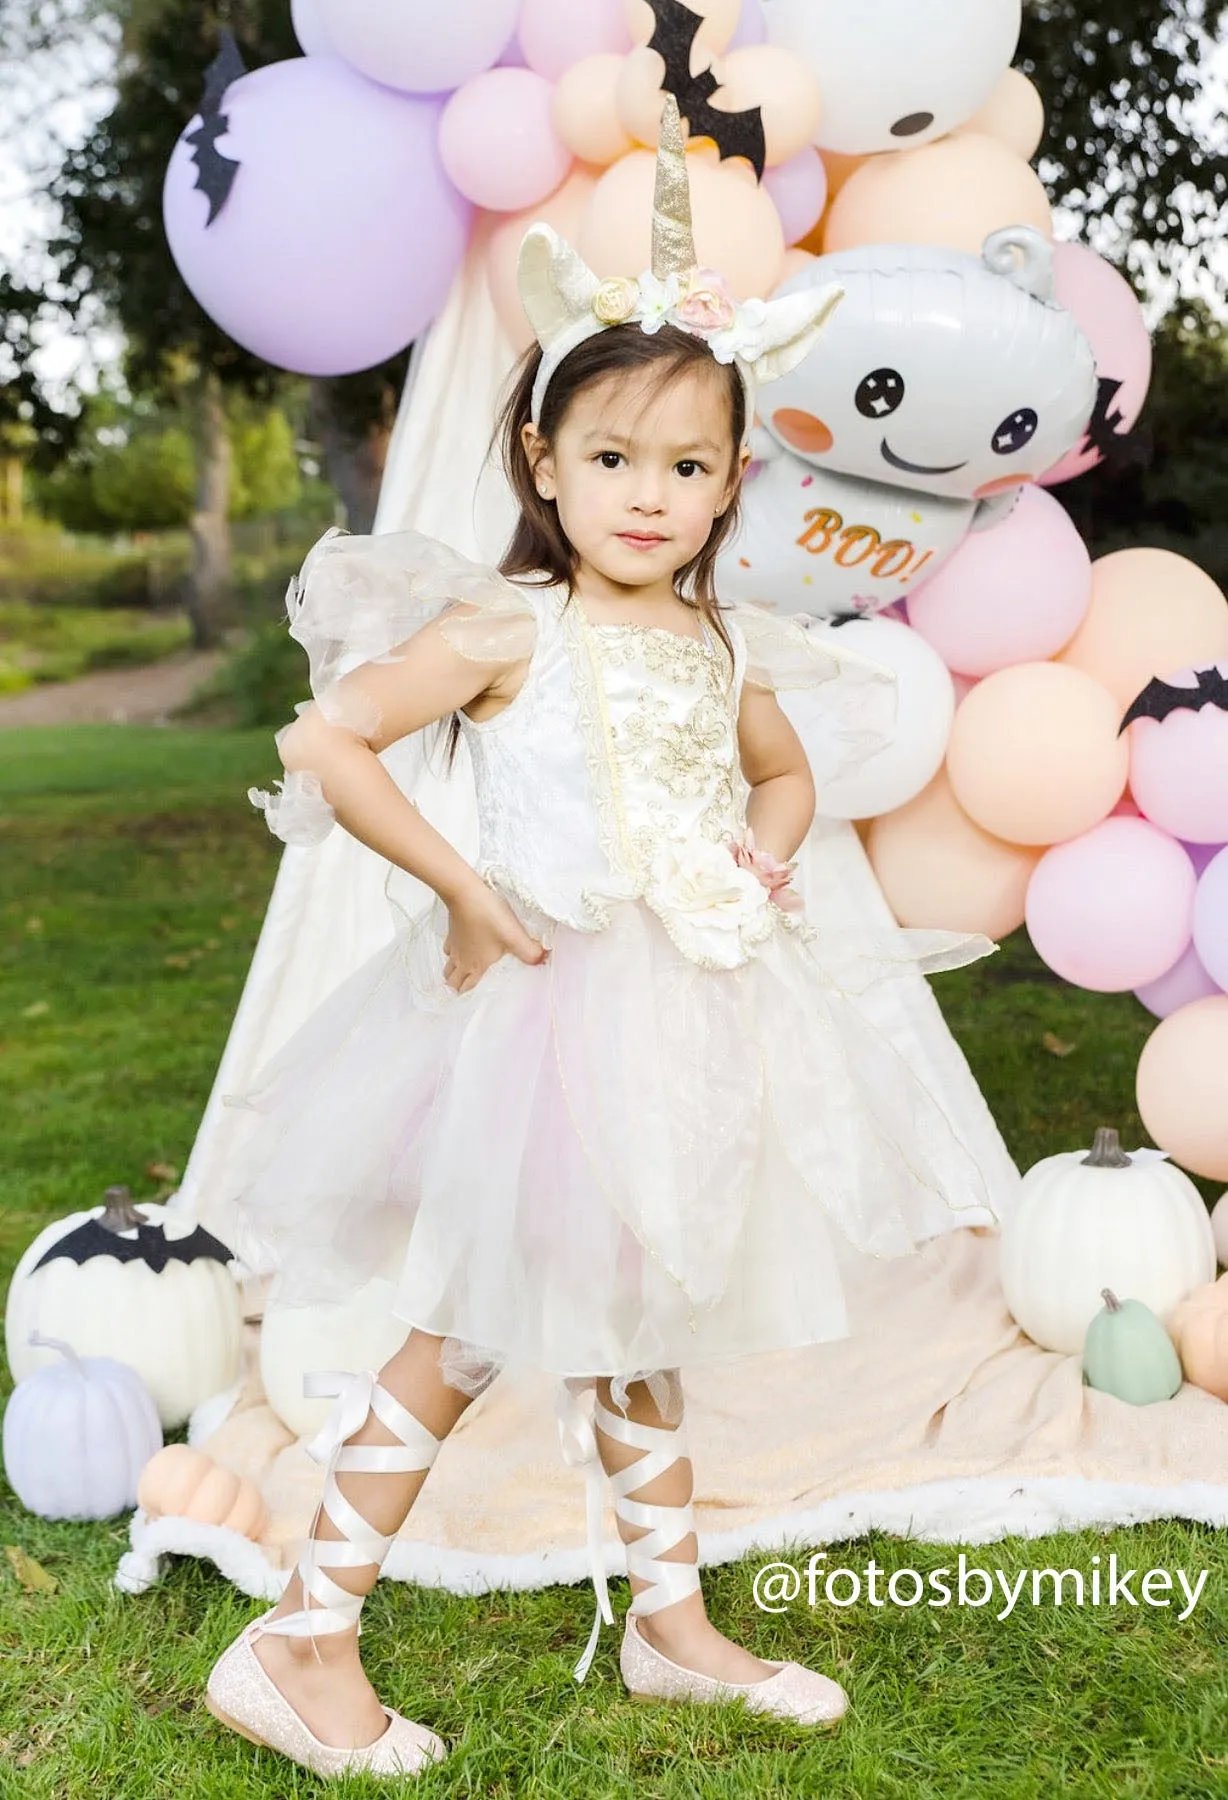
point(894, 73)
point(941, 372)
point(812, 541)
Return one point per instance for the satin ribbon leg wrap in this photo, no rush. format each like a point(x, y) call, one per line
point(664, 1526)
point(360, 1545)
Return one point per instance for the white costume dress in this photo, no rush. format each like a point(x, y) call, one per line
point(632, 1156)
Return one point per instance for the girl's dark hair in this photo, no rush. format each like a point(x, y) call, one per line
point(538, 547)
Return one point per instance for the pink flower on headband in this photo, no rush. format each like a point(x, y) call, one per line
point(706, 304)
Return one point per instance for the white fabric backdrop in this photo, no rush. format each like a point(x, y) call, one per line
point(327, 913)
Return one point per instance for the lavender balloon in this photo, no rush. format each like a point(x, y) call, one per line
point(305, 18)
point(752, 26)
point(1211, 919)
point(419, 46)
point(341, 234)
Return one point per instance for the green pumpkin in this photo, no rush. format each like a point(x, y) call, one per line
point(1127, 1352)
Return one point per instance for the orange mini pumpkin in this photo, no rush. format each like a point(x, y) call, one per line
point(186, 1484)
point(1198, 1326)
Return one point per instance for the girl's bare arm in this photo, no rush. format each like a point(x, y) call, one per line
point(781, 805)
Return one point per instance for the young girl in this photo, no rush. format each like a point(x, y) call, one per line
point(612, 1086)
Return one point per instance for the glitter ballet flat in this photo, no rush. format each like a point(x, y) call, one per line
point(793, 1692)
point(240, 1693)
point(243, 1697)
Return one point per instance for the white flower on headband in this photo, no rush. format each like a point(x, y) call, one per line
point(566, 303)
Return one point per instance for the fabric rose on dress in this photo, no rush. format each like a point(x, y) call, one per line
point(616, 300)
point(713, 909)
point(706, 303)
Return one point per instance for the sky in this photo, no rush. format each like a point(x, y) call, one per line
point(55, 100)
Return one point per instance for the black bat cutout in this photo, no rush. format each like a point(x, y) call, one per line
point(734, 133)
point(216, 173)
point(1160, 698)
point(150, 1245)
point(1107, 430)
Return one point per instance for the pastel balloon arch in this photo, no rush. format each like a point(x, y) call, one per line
point(1062, 754)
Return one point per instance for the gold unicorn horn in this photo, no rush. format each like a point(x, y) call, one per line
point(673, 242)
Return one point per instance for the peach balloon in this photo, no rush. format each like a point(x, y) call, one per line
point(737, 229)
point(938, 869)
point(563, 209)
point(585, 110)
point(794, 262)
point(1182, 1086)
point(639, 96)
point(953, 192)
point(781, 86)
point(840, 168)
point(720, 21)
point(1151, 612)
point(1014, 114)
point(1034, 755)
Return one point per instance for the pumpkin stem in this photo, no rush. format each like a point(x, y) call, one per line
point(47, 1343)
point(119, 1214)
point(1106, 1151)
point(1112, 1303)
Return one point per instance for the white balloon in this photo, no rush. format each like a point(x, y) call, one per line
point(897, 773)
point(940, 371)
point(896, 73)
point(812, 541)
point(309, 28)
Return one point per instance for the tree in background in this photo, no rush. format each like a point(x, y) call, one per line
point(1119, 79)
point(132, 467)
point(1121, 82)
point(112, 250)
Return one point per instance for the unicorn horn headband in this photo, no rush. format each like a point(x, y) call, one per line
point(567, 304)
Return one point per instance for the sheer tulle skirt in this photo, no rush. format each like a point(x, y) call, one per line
point(612, 1162)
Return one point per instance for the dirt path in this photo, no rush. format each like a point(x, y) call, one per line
point(124, 696)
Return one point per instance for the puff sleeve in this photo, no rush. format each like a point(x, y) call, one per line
point(357, 600)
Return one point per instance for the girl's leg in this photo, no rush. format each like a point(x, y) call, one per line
point(323, 1677)
point(681, 1631)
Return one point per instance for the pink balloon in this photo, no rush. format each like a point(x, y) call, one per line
point(1110, 317)
point(1112, 910)
point(1179, 766)
point(1184, 983)
point(799, 190)
point(554, 34)
point(498, 142)
point(1211, 919)
point(341, 234)
point(1015, 593)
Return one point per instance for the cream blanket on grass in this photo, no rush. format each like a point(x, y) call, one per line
point(936, 1419)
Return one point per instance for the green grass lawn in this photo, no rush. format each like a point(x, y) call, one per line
point(133, 879)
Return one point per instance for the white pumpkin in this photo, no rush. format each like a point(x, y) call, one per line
point(1219, 1227)
point(138, 1283)
point(1086, 1221)
point(78, 1434)
point(357, 1333)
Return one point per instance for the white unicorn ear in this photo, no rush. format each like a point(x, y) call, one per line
point(556, 284)
point(788, 330)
